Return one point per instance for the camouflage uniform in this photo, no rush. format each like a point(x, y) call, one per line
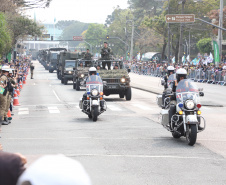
point(88, 56)
point(3, 97)
point(105, 55)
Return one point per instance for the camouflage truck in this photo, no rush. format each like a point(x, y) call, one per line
point(116, 81)
point(81, 72)
point(65, 64)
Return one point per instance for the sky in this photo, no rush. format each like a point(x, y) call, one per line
point(88, 11)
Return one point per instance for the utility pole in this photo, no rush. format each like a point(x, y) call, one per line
point(220, 31)
point(131, 47)
point(168, 36)
point(181, 35)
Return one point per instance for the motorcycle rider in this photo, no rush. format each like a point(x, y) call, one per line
point(170, 71)
point(92, 71)
point(181, 74)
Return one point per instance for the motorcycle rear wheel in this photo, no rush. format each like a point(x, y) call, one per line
point(191, 134)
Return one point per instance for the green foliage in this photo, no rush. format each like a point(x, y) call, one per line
point(5, 36)
point(61, 25)
point(74, 29)
point(22, 26)
point(94, 36)
point(204, 45)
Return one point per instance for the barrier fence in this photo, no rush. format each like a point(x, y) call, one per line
point(198, 75)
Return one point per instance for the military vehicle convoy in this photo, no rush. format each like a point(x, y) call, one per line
point(52, 58)
point(66, 63)
point(116, 80)
point(81, 72)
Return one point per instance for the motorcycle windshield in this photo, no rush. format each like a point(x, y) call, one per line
point(187, 90)
point(94, 82)
point(171, 79)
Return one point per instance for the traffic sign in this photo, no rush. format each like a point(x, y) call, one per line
point(46, 36)
point(180, 18)
point(77, 38)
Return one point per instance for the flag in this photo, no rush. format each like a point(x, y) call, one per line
point(188, 58)
point(2, 90)
point(183, 60)
point(216, 52)
point(195, 61)
point(173, 59)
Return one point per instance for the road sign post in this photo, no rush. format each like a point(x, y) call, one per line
point(180, 18)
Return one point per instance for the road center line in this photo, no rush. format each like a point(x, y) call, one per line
point(56, 96)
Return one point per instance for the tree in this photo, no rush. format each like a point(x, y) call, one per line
point(204, 45)
point(5, 36)
point(61, 25)
point(74, 29)
point(94, 35)
point(22, 27)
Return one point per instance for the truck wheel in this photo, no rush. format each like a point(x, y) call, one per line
point(65, 81)
point(128, 94)
point(50, 70)
point(77, 85)
point(121, 95)
point(62, 80)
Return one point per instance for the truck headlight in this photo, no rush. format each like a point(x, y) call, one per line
point(82, 75)
point(69, 72)
point(123, 80)
point(94, 92)
point(189, 104)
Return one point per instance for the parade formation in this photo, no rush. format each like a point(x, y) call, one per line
point(106, 93)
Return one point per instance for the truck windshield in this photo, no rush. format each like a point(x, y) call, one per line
point(69, 64)
point(53, 56)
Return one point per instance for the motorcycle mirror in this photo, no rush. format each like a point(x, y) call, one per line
point(200, 89)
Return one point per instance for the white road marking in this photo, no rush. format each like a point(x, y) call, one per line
point(23, 111)
point(56, 96)
point(53, 110)
point(114, 108)
point(141, 107)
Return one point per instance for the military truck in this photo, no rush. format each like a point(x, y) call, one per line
point(52, 58)
point(65, 64)
point(43, 56)
point(116, 81)
point(81, 72)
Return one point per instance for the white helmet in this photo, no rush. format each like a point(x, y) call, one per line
point(170, 69)
point(181, 73)
point(92, 70)
point(5, 68)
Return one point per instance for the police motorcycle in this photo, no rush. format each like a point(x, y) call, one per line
point(92, 102)
point(183, 116)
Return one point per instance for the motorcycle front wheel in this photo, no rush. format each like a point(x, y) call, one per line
point(95, 113)
point(191, 134)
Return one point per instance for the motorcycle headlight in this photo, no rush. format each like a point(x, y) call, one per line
point(123, 80)
point(189, 104)
point(82, 75)
point(94, 92)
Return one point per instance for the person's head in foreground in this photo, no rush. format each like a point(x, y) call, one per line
point(55, 170)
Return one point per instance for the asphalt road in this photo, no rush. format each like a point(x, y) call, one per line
point(126, 145)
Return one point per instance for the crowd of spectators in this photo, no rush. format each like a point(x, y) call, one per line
point(201, 70)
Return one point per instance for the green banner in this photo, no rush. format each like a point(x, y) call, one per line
point(216, 52)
